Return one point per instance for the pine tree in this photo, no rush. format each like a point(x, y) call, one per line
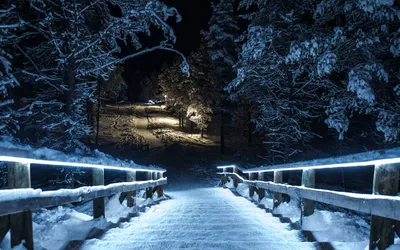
point(220, 42)
point(78, 48)
point(9, 24)
point(300, 59)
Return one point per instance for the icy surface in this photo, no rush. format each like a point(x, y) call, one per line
point(205, 218)
point(361, 157)
point(10, 148)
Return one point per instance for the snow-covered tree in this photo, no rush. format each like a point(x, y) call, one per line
point(363, 62)
point(172, 85)
point(220, 43)
point(201, 89)
point(78, 46)
point(116, 87)
point(192, 97)
point(221, 35)
point(302, 58)
point(284, 97)
point(9, 24)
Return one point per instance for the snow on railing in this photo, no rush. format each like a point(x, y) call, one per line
point(73, 164)
point(383, 205)
point(17, 202)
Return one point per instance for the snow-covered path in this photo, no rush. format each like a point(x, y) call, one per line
point(204, 218)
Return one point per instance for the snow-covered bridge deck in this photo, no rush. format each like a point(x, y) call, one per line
point(204, 218)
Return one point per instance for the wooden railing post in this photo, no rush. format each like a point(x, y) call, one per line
point(149, 191)
point(278, 178)
point(235, 179)
point(261, 191)
point(224, 178)
point(19, 176)
point(252, 176)
point(131, 177)
point(4, 226)
point(98, 203)
point(307, 180)
point(160, 190)
point(386, 182)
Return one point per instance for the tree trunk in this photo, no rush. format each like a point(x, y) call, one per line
point(69, 80)
point(98, 111)
point(250, 128)
point(222, 139)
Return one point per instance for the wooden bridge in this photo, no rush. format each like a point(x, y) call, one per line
point(204, 218)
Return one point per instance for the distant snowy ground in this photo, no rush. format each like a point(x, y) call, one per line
point(345, 231)
point(54, 228)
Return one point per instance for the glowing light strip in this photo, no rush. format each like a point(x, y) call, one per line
point(238, 176)
point(229, 166)
point(72, 164)
point(337, 165)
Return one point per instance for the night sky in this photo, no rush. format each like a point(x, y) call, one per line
point(195, 17)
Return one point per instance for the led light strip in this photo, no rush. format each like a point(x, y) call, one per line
point(229, 166)
point(337, 165)
point(71, 164)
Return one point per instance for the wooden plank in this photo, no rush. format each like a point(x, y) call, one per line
point(307, 180)
point(131, 177)
point(98, 203)
point(278, 178)
point(48, 199)
point(19, 176)
point(386, 182)
point(380, 205)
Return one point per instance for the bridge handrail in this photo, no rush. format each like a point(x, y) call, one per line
point(382, 205)
point(17, 202)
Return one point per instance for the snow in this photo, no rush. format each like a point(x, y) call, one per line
point(395, 246)
point(54, 228)
point(362, 159)
point(343, 230)
point(203, 218)
point(14, 194)
point(9, 148)
point(337, 227)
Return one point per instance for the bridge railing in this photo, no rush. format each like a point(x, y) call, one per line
point(18, 202)
point(383, 205)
